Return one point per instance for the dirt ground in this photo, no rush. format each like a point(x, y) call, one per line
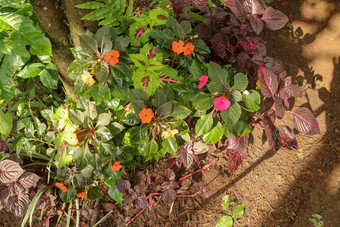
point(283, 188)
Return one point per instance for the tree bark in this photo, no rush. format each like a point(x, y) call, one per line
point(52, 21)
point(76, 24)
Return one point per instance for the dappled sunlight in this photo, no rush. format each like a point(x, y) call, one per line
point(316, 9)
point(333, 181)
point(307, 27)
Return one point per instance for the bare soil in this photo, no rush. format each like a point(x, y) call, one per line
point(286, 187)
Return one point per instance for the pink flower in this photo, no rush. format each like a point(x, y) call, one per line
point(221, 103)
point(203, 80)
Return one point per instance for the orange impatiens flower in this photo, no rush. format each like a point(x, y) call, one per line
point(116, 166)
point(146, 115)
point(61, 186)
point(82, 195)
point(112, 57)
point(87, 79)
point(178, 47)
point(188, 48)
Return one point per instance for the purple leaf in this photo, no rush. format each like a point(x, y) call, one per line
point(220, 43)
point(204, 31)
point(141, 202)
point(287, 137)
point(283, 75)
point(28, 180)
point(268, 81)
point(237, 8)
point(238, 143)
point(185, 155)
point(169, 196)
point(253, 6)
point(272, 134)
point(290, 91)
point(249, 44)
point(305, 122)
point(234, 160)
point(275, 65)
point(200, 4)
point(256, 23)
point(180, 6)
point(17, 204)
point(279, 107)
point(123, 185)
point(9, 171)
point(274, 19)
point(200, 147)
point(170, 174)
point(244, 61)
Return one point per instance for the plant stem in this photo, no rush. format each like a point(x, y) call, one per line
point(199, 170)
point(69, 212)
point(78, 213)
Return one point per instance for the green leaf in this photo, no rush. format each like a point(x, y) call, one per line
point(6, 124)
point(94, 193)
point(150, 148)
point(180, 112)
point(214, 87)
point(115, 194)
point(40, 45)
point(238, 211)
point(76, 116)
point(87, 171)
point(31, 70)
point(241, 128)
point(225, 221)
point(99, 91)
point(82, 156)
point(163, 95)
point(103, 119)
point(88, 44)
point(226, 201)
point(69, 195)
point(131, 119)
point(175, 27)
point(164, 109)
point(214, 135)
point(232, 114)
point(204, 124)
point(121, 43)
point(236, 96)
point(240, 82)
point(202, 101)
point(252, 100)
point(218, 75)
point(201, 47)
point(49, 79)
point(9, 65)
point(104, 133)
point(195, 70)
point(170, 145)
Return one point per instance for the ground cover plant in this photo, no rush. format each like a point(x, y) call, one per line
point(87, 110)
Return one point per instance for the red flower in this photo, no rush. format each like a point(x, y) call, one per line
point(203, 80)
point(116, 166)
point(221, 103)
point(146, 115)
point(82, 195)
point(112, 57)
point(61, 186)
point(178, 47)
point(189, 48)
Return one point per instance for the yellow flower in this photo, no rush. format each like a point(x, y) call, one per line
point(169, 133)
point(257, 85)
point(87, 78)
